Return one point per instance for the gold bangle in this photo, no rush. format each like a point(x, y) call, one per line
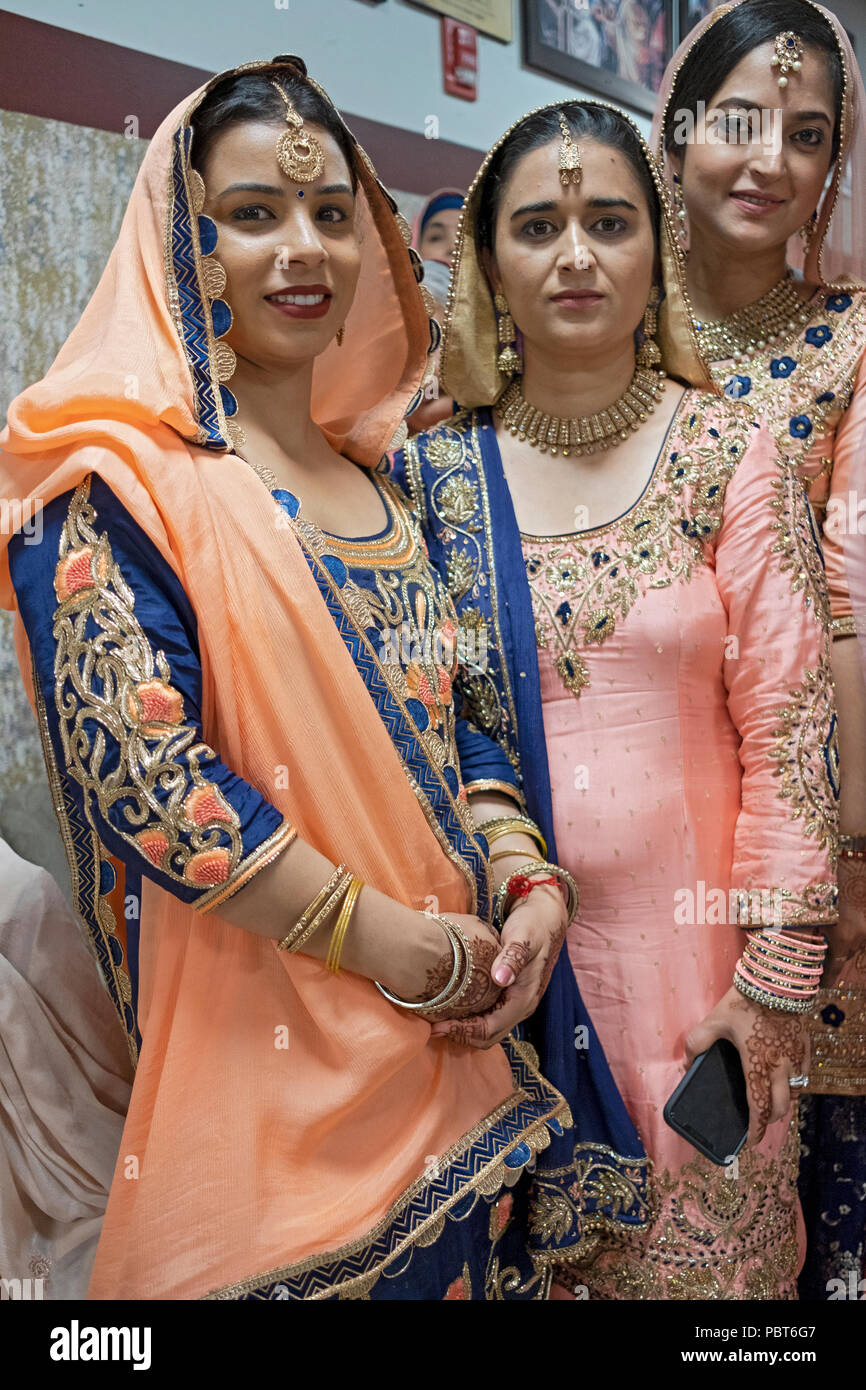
point(492, 784)
point(314, 915)
point(510, 854)
point(529, 871)
point(512, 825)
point(463, 968)
point(312, 908)
point(338, 936)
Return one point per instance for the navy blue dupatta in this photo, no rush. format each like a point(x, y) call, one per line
point(597, 1173)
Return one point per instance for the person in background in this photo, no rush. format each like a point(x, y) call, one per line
point(434, 235)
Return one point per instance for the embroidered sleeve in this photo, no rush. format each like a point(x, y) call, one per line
point(780, 693)
point(845, 519)
point(484, 766)
point(114, 643)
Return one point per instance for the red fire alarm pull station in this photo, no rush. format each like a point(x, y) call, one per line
point(460, 59)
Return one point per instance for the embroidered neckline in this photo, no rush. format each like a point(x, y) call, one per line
point(594, 577)
point(644, 498)
point(394, 546)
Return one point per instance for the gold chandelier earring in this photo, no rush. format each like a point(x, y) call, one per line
point(680, 207)
point(508, 360)
point(341, 332)
point(807, 232)
point(648, 353)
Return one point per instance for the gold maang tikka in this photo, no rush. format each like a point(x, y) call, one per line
point(570, 168)
point(788, 55)
point(300, 156)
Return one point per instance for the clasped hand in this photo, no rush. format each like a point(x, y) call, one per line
point(512, 974)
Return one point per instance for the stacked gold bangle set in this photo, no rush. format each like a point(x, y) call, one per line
point(522, 880)
point(343, 890)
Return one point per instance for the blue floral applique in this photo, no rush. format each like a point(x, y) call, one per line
point(782, 367)
point(817, 337)
point(838, 303)
point(738, 386)
point(800, 427)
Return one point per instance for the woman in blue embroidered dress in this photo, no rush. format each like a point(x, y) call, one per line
point(226, 717)
point(665, 698)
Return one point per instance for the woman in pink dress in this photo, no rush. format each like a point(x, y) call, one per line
point(656, 667)
point(761, 125)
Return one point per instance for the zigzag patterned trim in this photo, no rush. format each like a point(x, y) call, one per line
point(492, 1155)
point(189, 310)
point(429, 786)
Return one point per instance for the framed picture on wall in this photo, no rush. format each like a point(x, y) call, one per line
point(693, 11)
point(617, 48)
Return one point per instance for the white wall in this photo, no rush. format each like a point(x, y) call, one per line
point(379, 61)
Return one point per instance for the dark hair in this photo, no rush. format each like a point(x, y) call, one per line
point(249, 96)
point(733, 36)
point(600, 123)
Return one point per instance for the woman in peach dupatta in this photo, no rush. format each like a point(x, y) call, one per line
point(224, 708)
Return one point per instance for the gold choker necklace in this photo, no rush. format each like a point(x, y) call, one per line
point(582, 434)
point(768, 322)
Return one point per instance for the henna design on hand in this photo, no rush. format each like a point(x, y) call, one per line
point(775, 1038)
point(517, 955)
point(483, 991)
point(438, 976)
point(550, 959)
point(465, 1031)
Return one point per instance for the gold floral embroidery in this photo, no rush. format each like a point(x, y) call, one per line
point(460, 1289)
point(557, 1213)
point(813, 904)
point(807, 755)
point(716, 1233)
point(824, 368)
point(459, 571)
point(584, 583)
point(798, 542)
point(457, 500)
point(90, 901)
point(112, 691)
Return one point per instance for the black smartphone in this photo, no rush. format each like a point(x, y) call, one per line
point(710, 1107)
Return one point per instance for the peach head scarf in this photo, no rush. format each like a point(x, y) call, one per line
point(240, 1160)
